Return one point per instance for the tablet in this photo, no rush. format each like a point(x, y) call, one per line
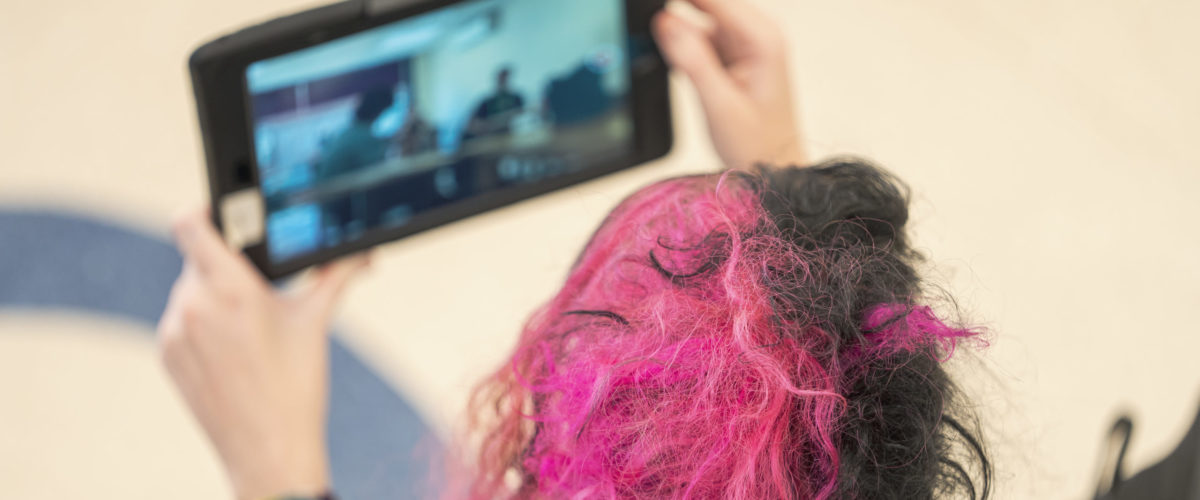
point(350, 125)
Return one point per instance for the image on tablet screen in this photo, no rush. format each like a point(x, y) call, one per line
point(368, 130)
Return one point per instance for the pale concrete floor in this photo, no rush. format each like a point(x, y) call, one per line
point(1048, 144)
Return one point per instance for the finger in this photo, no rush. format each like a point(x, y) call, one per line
point(176, 349)
point(331, 281)
point(199, 241)
point(690, 50)
point(182, 291)
point(185, 368)
point(722, 11)
point(739, 17)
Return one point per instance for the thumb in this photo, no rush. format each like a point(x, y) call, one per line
point(331, 280)
point(689, 49)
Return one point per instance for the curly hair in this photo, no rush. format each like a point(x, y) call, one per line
point(742, 335)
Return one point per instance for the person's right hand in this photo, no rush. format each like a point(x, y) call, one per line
point(740, 70)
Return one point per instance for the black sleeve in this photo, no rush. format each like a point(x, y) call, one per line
point(481, 110)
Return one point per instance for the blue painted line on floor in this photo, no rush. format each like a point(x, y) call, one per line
point(379, 447)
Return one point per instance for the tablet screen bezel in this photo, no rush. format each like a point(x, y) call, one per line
point(219, 69)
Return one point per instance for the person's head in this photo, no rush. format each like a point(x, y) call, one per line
point(738, 336)
point(502, 78)
point(373, 103)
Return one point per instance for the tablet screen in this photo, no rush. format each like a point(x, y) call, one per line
point(369, 130)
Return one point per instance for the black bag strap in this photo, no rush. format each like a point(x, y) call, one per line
point(1112, 465)
point(1174, 477)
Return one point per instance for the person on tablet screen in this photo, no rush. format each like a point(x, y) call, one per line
point(356, 146)
point(417, 136)
point(759, 332)
point(494, 115)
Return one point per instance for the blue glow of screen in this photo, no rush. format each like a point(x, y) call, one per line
point(370, 130)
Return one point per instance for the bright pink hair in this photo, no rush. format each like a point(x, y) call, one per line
point(671, 365)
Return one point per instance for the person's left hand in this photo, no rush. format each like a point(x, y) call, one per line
point(252, 362)
point(740, 70)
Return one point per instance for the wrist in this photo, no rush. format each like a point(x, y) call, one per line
point(328, 495)
point(283, 476)
point(300, 489)
point(781, 153)
point(792, 154)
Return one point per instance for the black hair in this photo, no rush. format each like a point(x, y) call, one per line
point(907, 432)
